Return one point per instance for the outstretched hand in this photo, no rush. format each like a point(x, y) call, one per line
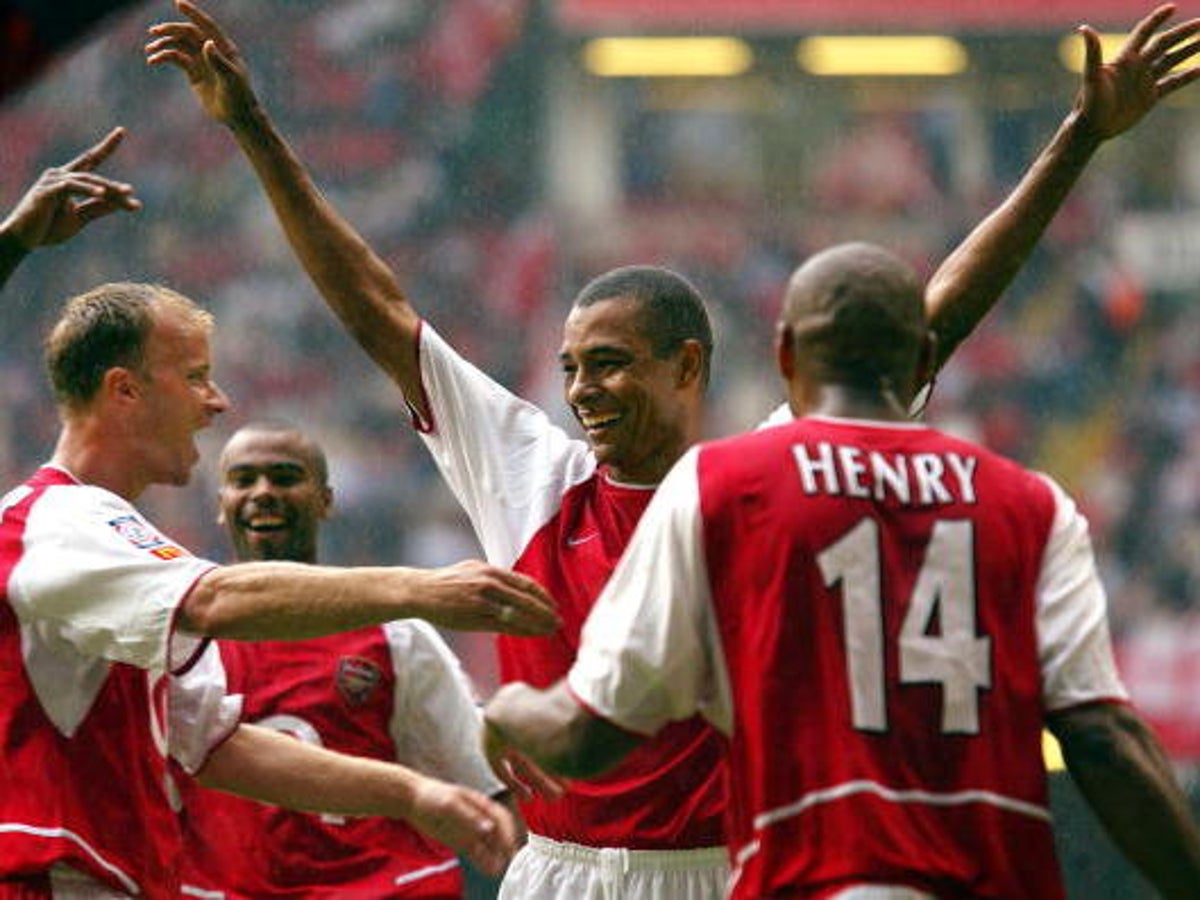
point(214, 66)
point(1115, 95)
point(477, 596)
point(520, 774)
point(466, 821)
point(65, 198)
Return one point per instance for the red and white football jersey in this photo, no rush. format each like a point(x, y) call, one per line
point(878, 616)
point(540, 504)
point(86, 642)
point(393, 693)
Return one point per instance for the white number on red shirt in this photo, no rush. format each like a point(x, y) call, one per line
point(954, 657)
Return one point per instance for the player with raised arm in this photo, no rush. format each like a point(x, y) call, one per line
point(879, 618)
point(635, 357)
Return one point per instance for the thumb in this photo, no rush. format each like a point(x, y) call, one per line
point(217, 60)
point(1091, 48)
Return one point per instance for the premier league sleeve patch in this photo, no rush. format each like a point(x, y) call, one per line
point(142, 535)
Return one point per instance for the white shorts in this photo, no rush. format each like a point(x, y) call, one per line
point(553, 870)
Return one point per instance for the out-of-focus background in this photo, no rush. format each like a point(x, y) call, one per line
point(499, 153)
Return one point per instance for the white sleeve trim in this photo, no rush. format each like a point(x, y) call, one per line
point(506, 463)
point(98, 577)
point(650, 651)
point(436, 724)
point(1074, 646)
point(200, 714)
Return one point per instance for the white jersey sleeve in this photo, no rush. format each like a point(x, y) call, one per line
point(200, 714)
point(650, 651)
point(1074, 645)
point(504, 460)
point(436, 724)
point(96, 577)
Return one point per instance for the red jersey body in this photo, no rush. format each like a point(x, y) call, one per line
point(539, 504)
point(631, 806)
point(90, 591)
point(878, 616)
point(386, 693)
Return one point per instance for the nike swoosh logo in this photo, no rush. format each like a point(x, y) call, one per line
point(582, 539)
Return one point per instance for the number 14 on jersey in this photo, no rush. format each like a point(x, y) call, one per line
point(955, 657)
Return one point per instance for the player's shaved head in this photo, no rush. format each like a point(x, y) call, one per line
point(856, 314)
point(288, 435)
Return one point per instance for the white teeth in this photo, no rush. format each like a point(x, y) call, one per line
point(257, 522)
point(598, 421)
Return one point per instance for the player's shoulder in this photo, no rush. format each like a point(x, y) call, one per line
point(68, 502)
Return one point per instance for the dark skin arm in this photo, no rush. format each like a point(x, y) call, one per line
point(62, 201)
point(370, 301)
point(358, 286)
point(553, 731)
point(1113, 97)
point(1126, 778)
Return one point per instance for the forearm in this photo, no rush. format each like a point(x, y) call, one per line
point(357, 285)
point(294, 601)
point(274, 768)
point(968, 283)
point(12, 252)
point(1126, 778)
point(555, 731)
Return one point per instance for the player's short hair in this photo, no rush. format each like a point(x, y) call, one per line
point(107, 327)
point(672, 308)
point(308, 445)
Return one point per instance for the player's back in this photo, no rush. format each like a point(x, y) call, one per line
point(874, 588)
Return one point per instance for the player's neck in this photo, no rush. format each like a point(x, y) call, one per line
point(843, 401)
point(93, 461)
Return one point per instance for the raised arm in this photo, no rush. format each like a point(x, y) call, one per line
point(61, 202)
point(293, 601)
point(1125, 777)
point(1112, 98)
point(358, 286)
point(274, 768)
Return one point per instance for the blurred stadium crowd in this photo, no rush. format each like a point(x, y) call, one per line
point(424, 123)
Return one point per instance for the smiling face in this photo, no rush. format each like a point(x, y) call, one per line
point(273, 494)
point(638, 411)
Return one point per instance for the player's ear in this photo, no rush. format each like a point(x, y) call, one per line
point(326, 503)
point(691, 363)
point(121, 384)
point(785, 351)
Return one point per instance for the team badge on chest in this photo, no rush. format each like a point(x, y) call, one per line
point(357, 679)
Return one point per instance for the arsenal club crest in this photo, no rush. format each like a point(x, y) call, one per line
point(356, 679)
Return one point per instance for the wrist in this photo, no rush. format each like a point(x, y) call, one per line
point(1078, 135)
point(12, 248)
point(248, 120)
point(406, 790)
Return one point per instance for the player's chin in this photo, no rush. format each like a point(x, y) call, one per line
point(607, 447)
point(273, 546)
